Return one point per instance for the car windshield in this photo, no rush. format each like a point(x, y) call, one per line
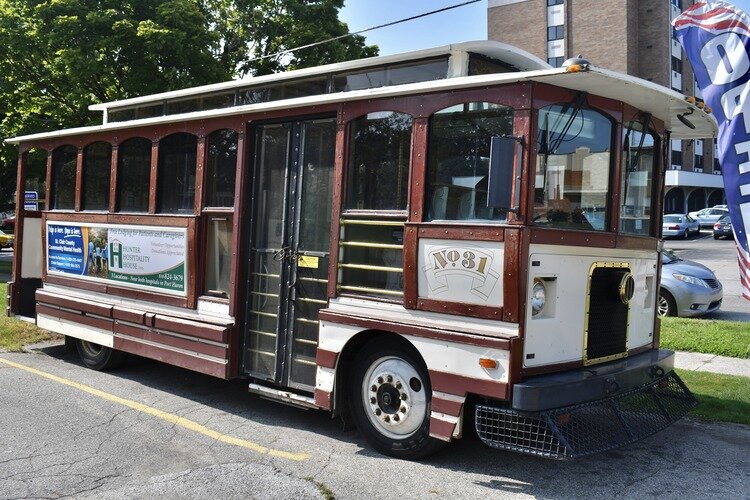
point(668, 256)
point(725, 219)
point(672, 218)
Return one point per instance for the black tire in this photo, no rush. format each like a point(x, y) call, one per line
point(400, 430)
point(686, 234)
point(98, 357)
point(716, 236)
point(665, 305)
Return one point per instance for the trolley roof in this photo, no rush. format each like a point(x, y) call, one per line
point(663, 103)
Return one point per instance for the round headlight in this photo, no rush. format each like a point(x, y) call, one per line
point(538, 297)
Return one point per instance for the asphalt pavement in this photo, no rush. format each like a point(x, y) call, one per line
point(151, 430)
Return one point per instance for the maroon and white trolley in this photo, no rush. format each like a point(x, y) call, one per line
point(461, 235)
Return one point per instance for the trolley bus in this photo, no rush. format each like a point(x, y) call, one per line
point(421, 244)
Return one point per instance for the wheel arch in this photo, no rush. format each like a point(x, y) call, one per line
point(349, 352)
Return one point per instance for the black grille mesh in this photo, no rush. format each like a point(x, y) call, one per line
point(587, 428)
point(608, 316)
point(713, 283)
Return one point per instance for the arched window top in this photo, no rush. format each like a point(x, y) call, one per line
point(458, 160)
point(63, 190)
point(133, 175)
point(97, 165)
point(176, 174)
point(378, 168)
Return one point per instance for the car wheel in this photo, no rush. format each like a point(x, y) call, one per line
point(99, 357)
point(716, 236)
point(685, 234)
point(389, 398)
point(665, 306)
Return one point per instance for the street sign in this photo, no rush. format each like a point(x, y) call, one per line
point(30, 200)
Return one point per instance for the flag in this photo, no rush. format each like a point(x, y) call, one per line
point(716, 39)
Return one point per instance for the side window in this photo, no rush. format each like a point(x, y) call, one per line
point(458, 157)
point(371, 243)
point(221, 166)
point(63, 178)
point(639, 158)
point(573, 164)
point(175, 191)
point(133, 175)
point(378, 168)
point(97, 165)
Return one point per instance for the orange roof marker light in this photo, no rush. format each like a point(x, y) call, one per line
point(576, 64)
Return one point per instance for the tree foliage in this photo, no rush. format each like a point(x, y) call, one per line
point(57, 57)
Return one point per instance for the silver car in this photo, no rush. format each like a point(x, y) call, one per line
point(679, 226)
point(708, 216)
point(687, 288)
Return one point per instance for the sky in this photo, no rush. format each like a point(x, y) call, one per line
point(457, 25)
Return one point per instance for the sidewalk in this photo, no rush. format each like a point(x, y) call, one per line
point(700, 362)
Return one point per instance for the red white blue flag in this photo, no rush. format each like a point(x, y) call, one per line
point(716, 39)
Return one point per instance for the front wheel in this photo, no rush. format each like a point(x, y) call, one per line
point(389, 397)
point(98, 357)
point(666, 305)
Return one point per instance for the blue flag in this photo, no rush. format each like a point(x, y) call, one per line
point(716, 39)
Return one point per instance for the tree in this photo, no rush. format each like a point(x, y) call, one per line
point(57, 57)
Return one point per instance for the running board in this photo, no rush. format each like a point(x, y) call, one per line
point(285, 397)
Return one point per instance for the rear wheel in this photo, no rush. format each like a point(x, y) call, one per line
point(685, 234)
point(98, 357)
point(389, 398)
point(666, 304)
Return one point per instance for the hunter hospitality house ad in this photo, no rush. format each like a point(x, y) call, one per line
point(142, 257)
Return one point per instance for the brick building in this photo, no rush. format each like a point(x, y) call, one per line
point(630, 36)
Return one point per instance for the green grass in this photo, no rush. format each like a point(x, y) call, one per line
point(725, 338)
point(722, 398)
point(14, 333)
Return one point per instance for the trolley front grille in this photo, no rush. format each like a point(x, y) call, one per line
point(587, 428)
point(607, 321)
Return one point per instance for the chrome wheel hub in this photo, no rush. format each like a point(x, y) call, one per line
point(394, 397)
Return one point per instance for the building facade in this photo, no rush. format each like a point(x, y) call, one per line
point(630, 36)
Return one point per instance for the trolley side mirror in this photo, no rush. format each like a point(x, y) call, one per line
point(504, 187)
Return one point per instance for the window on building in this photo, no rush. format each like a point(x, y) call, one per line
point(717, 165)
point(378, 169)
point(458, 155)
point(636, 183)
point(555, 2)
point(677, 64)
point(555, 32)
point(555, 61)
point(97, 165)
point(573, 167)
point(175, 191)
point(133, 175)
point(64, 178)
point(676, 160)
point(698, 163)
point(221, 167)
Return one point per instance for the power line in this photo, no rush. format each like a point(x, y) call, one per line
point(425, 14)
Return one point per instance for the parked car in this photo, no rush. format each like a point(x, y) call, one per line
point(708, 216)
point(679, 225)
point(6, 240)
point(723, 227)
point(687, 288)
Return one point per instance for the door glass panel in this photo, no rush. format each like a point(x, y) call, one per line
point(313, 241)
point(266, 249)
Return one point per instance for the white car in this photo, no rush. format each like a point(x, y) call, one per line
point(708, 216)
point(679, 226)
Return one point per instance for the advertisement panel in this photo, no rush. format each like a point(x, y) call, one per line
point(143, 257)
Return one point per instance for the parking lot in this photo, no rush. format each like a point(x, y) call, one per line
point(721, 257)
